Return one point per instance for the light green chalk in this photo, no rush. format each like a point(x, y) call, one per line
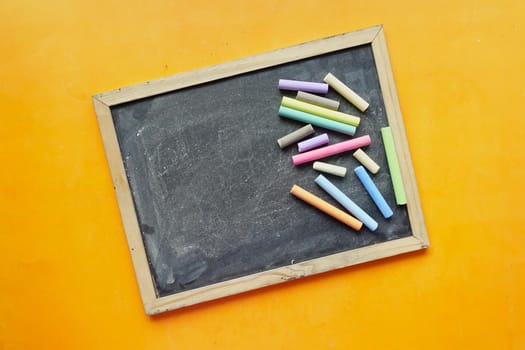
point(315, 120)
point(393, 166)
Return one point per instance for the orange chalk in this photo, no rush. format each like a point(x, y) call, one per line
point(326, 207)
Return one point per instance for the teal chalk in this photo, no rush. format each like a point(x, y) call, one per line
point(308, 118)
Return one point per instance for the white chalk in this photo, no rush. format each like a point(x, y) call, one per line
point(367, 162)
point(346, 92)
point(330, 169)
point(295, 136)
point(317, 100)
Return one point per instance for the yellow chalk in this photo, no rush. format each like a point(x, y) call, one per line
point(346, 92)
point(320, 111)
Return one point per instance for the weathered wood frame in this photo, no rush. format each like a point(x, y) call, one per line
point(104, 101)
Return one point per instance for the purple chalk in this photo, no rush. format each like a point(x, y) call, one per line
point(313, 142)
point(297, 85)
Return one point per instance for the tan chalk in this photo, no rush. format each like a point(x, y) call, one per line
point(295, 136)
point(318, 100)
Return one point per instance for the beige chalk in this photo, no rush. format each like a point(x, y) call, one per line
point(330, 169)
point(367, 162)
point(346, 92)
point(318, 100)
point(295, 136)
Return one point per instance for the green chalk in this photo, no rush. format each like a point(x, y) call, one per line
point(393, 166)
point(315, 120)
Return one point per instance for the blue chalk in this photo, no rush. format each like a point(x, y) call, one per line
point(372, 190)
point(346, 202)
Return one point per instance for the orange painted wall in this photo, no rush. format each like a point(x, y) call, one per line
point(66, 280)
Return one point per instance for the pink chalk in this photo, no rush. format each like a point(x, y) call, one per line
point(331, 150)
point(297, 85)
point(312, 143)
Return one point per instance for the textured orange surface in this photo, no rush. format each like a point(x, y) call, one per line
point(66, 280)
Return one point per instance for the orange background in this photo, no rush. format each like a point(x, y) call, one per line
point(66, 279)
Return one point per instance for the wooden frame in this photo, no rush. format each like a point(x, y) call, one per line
point(104, 101)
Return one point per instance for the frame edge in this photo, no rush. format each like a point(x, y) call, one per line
point(395, 120)
point(125, 202)
point(285, 273)
point(239, 66)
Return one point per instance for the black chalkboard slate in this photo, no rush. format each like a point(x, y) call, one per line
point(210, 186)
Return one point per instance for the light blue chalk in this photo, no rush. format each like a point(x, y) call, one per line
point(315, 120)
point(372, 190)
point(346, 202)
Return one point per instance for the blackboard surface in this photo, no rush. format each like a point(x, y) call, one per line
point(210, 184)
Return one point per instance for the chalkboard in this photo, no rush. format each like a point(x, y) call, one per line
point(204, 187)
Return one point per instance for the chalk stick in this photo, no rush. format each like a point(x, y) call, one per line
point(313, 142)
point(366, 161)
point(393, 166)
point(331, 150)
point(317, 100)
point(330, 169)
point(346, 202)
point(320, 111)
point(294, 114)
point(326, 207)
point(296, 85)
point(373, 191)
point(295, 136)
point(346, 92)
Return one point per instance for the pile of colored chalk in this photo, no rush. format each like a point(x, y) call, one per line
point(314, 110)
